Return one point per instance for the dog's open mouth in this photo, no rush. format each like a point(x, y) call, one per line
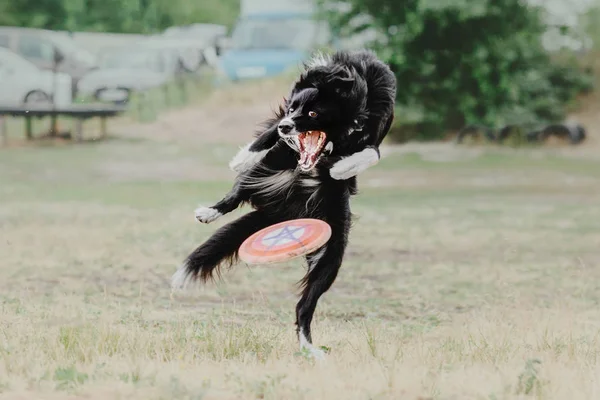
point(311, 146)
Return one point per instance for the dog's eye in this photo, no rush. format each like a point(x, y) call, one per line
point(312, 114)
point(291, 110)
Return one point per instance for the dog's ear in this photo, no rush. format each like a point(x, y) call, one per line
point(342, 85)
point(341, 80)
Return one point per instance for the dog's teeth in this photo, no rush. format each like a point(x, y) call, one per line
point(329, 147)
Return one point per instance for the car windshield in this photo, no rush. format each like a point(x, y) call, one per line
point(136, 59)
point(281, 33)
point(10, 60)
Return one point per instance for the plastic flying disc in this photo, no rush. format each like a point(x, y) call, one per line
point(284, 241)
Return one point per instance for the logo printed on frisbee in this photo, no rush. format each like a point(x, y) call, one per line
point(285, 235)
point(284, 241)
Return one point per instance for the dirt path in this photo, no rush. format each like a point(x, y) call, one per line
point(229, 116)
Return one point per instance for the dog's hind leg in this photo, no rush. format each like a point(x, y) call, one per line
point(229, 203)
point(323, 265)
point(221, 248)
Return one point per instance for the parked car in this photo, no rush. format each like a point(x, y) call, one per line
point(211, 33)
point(23, 83)
point(272, 37)
point(42, 47)
point(189, 52)
point(192, 51)
point(124, 70)
point(203, 30)
point(98, 42)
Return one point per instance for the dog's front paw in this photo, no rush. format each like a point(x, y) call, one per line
point(353, 165)
point(207, 214)
point(343, 169)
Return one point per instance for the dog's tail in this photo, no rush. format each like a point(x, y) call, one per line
point(220, 249)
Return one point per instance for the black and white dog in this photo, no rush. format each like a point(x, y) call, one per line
point(304, 165)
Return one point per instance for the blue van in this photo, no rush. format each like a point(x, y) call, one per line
point(268, 41)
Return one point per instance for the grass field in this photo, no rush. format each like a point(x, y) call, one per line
point(471, 274)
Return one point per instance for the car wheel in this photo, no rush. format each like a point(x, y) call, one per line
point(573, 133)
point(118, 96)
point(578, 135)
point(37, 97)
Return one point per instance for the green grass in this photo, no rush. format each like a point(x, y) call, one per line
point(461, 271)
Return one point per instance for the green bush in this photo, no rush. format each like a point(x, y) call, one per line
point(465, 62)
point(118, 16)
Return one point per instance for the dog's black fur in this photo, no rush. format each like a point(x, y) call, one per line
point(353, 95)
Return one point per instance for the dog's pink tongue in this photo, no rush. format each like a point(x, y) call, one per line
point(309, 148)
point(311, 141)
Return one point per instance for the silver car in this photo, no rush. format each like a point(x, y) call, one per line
point(44, 47)
point(125, 70)
point(23, 83)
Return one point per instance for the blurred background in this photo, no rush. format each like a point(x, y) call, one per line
point(483, 70)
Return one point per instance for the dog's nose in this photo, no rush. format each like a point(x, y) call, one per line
point(285, 127)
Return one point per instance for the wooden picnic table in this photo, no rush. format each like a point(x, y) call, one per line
point(79, 112)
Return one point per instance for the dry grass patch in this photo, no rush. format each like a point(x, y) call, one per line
point(500, 353)
point(470, 274)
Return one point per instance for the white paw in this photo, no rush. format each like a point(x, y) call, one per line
point(353, 165)
point(246, 159)
point(343, 169)
point(207, 214)
point(309, 349)
point(316, 353)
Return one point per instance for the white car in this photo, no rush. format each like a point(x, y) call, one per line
point(23, 83)
point(211, 34)
point(127, 70)
point(190, 52)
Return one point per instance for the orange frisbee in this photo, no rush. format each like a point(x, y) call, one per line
point(284, 241)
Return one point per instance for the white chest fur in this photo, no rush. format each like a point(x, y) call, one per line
point(282, 181)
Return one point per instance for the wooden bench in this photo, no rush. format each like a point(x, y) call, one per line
point(79, 112)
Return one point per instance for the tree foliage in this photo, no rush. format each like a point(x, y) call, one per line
point(466, 61)
point(118, 16)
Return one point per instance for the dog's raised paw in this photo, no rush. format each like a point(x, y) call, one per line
point(343, 170)
point(353, 165)
point(207, 214)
